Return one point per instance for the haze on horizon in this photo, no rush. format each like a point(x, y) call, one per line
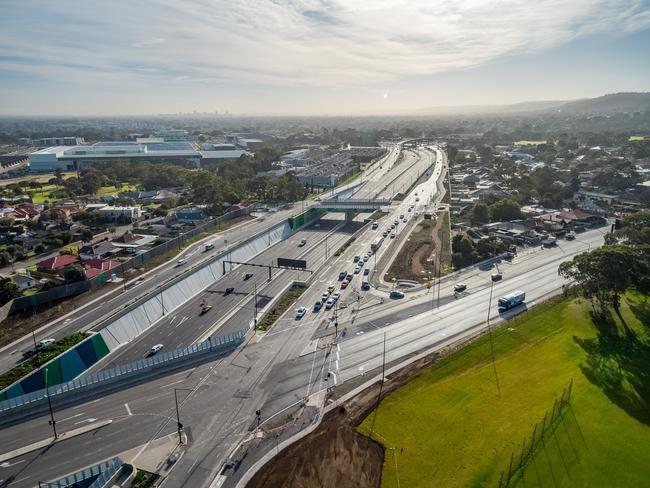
point(314, 57)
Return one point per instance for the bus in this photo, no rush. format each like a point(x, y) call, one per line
point(376, 244)
point(512, 300)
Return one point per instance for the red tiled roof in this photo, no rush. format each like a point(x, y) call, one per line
point(100, 264)
point(57, 262)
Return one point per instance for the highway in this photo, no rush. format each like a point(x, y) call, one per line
point(282, 366)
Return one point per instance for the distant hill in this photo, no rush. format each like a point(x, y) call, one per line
point(607, 104)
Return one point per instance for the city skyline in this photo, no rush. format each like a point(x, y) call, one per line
point(309, 57)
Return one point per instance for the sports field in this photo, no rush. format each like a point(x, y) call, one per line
point(636, 138)
point(528, 143)
point(450, 427)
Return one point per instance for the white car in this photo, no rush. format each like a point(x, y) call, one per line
point(336, 295)
point(44, 344)
point(365, 259)
point(181, 262)
point(357, 270)
point(155, 349)
point(329, 303)
point(300, 312)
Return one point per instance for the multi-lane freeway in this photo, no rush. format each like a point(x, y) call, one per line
point(274, 370)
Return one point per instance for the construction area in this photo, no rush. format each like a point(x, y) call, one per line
point(425, 254)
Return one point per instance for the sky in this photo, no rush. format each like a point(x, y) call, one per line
point(314, 57)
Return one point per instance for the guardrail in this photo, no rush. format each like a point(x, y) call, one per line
point(27, 404)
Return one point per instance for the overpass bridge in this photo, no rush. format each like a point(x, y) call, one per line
point(353, 204)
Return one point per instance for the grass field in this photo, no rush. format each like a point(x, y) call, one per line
point(38, 178)
point(114, 190)
point(528, 143)
point(636, 138)
point(456, 431)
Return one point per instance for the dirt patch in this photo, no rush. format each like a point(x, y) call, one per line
point(423, 256)
point(333, 456)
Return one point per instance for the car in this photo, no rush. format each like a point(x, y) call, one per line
point(570, 236)
point(331, 287)
point(155, 349)
point(497, 276)
point(356, 258)
point(181, 262)
point(396, 294)
point(248, 276)
point(385, 233)
point(228, 290)
point(324, 297)
point(366, 271)
point(357, 270)
point(375, 225)
point(317, 306)
point(342, 275)
point(509, 256)
point(392, 235)
point(361, 263)
point(365, 259)
point(460, 287)
point(336, 296)
point(365, 285)
point(392, 226)
point(410, 208)
point(329, 303)
point(45, 344)
point(349, 276)
point(344, 284)
point(302, 242)
point(370, 253)
point(417, 199)
point(300, 312)
point(401, 216)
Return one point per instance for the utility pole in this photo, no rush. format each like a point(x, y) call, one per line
point(496, 377)
point(49, 405)
point(255, 318)
point(336, 320)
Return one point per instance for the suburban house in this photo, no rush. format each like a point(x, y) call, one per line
point(57, 213)
point(131, 241)
point(56, 264)
point(190, 214)
point(482, 191)
point(25, 281)
point(95, 267)
point(569, 220)
point(99, 250)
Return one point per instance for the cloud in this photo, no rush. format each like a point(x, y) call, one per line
point(329, 43)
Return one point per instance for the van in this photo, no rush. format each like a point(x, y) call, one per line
point(375, 225)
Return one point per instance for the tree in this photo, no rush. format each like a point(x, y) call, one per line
point(602, 274)
point(86, 235)
point(74, 273)
point(8, 290)
point(463, 251)
point(489, 247)
point(91, 181)
point(58, 176)
point(480, 214)
point(505, 210)
point(5, 258)
point(39, 248)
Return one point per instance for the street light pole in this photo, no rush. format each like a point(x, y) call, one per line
point(255, 319)
point(49, 405)
point(179, 425)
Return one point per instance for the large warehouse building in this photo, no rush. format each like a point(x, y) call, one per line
point(70, 158)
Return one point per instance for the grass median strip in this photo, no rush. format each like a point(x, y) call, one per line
point(281, 306)
point(347, 244)
point(451, 424)
point(40, 358)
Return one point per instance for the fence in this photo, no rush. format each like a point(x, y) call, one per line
point(544, 439)
point(100, 474)
point(137, 370)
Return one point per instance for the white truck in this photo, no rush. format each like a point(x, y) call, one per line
point(512, 300)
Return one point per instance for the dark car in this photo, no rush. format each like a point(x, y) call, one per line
point(248, 276)
point(317, 306)
point(229, 290)
point(396, 294)
point(497, 276)
point(342, 275)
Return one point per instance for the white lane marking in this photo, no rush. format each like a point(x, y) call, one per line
point(185, 317)
point(128, 410)
point(73, 417)
point(171, 384)
point(88, 403)
point(7, 464)
point(172, 320)
point(85, 421)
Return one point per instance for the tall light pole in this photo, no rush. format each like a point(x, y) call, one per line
point(49, 405)
point(179, 425)
point(494, 366)
point(255, 318)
